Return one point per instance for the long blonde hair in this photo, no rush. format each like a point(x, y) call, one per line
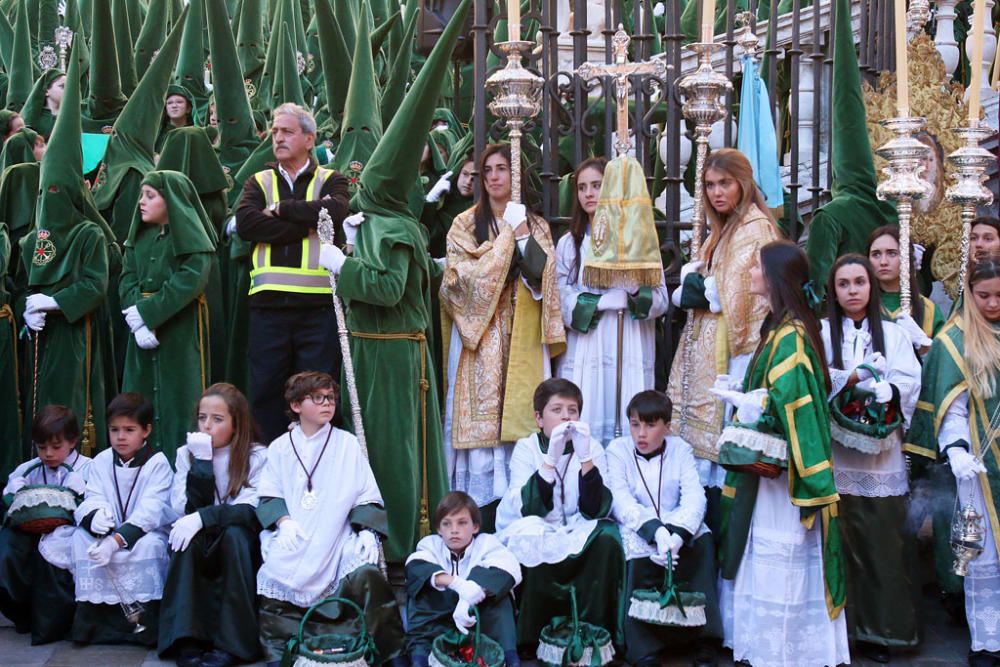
point(982, 339)
point(736, 164)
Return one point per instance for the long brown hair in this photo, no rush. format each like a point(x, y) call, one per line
point(483, 214)
point(580, 221)
point(786, 272)
point(835, 312)
point(982, 344)
point(916, 298)
point(736, 164)
point(245, 434)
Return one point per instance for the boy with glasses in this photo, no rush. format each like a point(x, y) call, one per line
point(323, 516)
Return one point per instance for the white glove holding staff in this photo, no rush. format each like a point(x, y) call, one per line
point(442, 186)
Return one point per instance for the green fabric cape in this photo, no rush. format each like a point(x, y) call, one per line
point(183, 207)
point(154, 31)
point(19, 149)
point(21, 70)
point(36, 104)
point(189, 151)
point(104, 99)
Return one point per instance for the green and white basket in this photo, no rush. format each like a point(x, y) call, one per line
point(446, 651)
point(568, 641)
point(671, 606)
point(333, 648)
point(41, 508)
point(744, 448)
point(879, 432)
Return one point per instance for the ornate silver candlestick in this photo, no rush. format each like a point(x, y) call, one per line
point(970, 163)
point(517, 96)
point(64, 40)
point(704, 103)
point(906, 158)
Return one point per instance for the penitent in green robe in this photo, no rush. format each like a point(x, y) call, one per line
point(797, 411)
point(168, 291)
point(72, 348)
point(387, 285)
point(10, 394)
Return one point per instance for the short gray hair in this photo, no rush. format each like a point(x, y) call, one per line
point(306, 121)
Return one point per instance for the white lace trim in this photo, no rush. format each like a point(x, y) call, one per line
point(634, 546)
point(303, 661)
point(553, 655)
point(534, 542)
point(865, 444)
point(139, 581)
point(982, 607)
point(768, 445)
point(53, 497)
point(868, 484)
point(276, 590)
point(649, 611)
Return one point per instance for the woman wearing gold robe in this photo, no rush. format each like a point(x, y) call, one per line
point(715, 287)
point(500, 303)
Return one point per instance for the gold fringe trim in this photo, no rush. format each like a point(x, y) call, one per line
point(631, 278)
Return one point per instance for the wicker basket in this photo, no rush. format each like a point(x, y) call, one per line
point(745, 449)
point(861, 423)
point(41, 508)
point(568, 641)
point(451, 649)
point(671, 606)
point(331, 649)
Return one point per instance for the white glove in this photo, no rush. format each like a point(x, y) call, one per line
point(658, 9)
point(184, 530)
point(146, 339)
point(102, 523)
point(367, 547)
point(918, 255)
point(442, 186)
point(440, 261)
point(351, 224)
point(101, 552)
point(289, 535)
point(749, 406)
point(712, 295)
point(616, 299)
point(34, 319)
point(515, 214)
point(667, 542)
point(231, 225)
point(40, 302)
point(200, 446)
point(463, 619)
point(331, 257)
point(16, 484)
point(876, 361)
point(581, 441)
point(133, 319)
point(881, 389)
point(917, 336)
point(74, 482)
point(557, 443)
point(468, 591)
point(690, 267)
point(963, 464)
point(727, 383)
point(675, 296)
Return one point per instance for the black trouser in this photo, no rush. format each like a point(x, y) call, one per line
point(285, 341)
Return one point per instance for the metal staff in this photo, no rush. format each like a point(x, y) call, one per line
point(324, 228)
point(970, 163)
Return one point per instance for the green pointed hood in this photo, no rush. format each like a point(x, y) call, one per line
point(48, 21)
point(132, 139)
point(20, 148)
point(123, 46)
point(393, 168)
point(74, 21)
point(190, 71)
point(380, 34)
point(36, 104)
point(844, 223)
point(296, 27)
point(232, 108)
point(64, 202)
point(6, 41)
point(190, 229)
point(21, 72)
point(334, 58)
point(190, 151)
point(269, 73)
point(250, 40)
point(347, 17)
point(105, 98)
point(136, 17)
point(154, 31)
point(361, 128)
point(287, 83)
point(399, 75)
point(6, 116)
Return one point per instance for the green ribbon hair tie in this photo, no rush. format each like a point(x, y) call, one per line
point(812, 298)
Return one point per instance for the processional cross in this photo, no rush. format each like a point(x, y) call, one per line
point(621, 69)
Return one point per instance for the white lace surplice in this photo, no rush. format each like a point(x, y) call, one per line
point(591, 358)
point(342, 481)
point(484, 551)
point(881, 475)
point(681, 499)
point(774, 612)
point(564, 531)
point(141, 569)
point(56, 547)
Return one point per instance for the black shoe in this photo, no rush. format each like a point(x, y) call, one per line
point(705, 655)
point(981, 659)
point(218, 658)
point(874, 652)
point(954, 605)
point(648, 661)
point(189, 654)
